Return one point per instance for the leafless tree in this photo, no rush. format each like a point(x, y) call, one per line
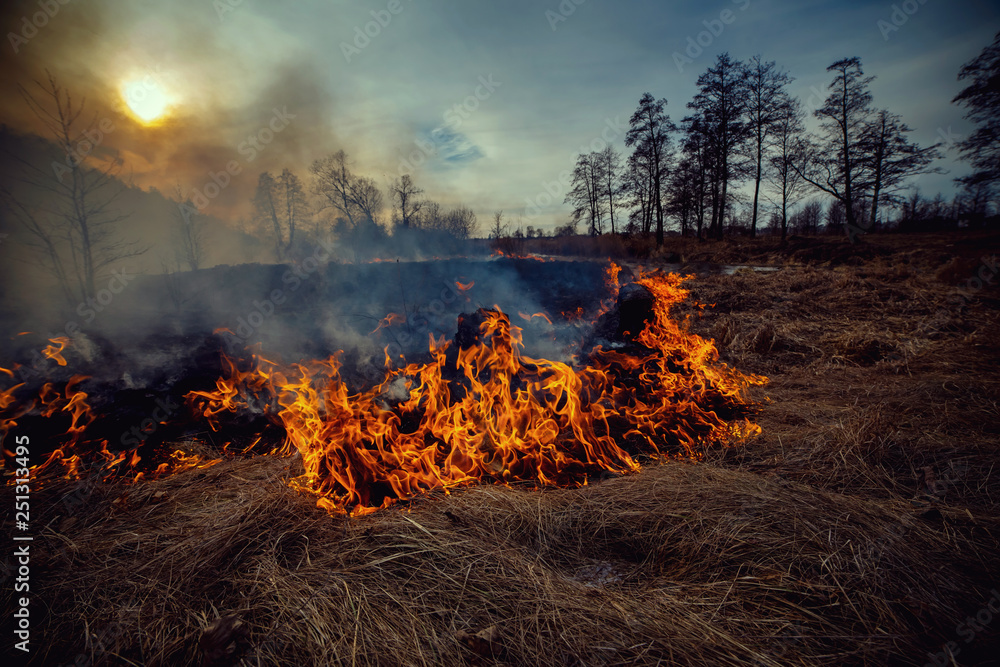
point(280, 206)
point(981, 98)
point(586, 192)
point(499, 229)
point(766, 100)
point(609, 164)
point(190, 232)
point(404, 197)
point(892, 158)
point(76, 230)
point(649, 132)
point(367, 196)
point(637, 189)
point(334, 183)
point(783, 180)
point(722, 102)
point(836, 164)
point(461, 222)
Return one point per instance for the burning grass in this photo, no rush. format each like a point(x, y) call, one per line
point(860, 527)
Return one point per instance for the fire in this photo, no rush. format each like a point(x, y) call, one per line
point(54, 351)
point(389, 320)
point(528, 318)
point(477, 410)
point(483, 411)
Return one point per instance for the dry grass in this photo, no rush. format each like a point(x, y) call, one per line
point(860, 528)
point(685, 564)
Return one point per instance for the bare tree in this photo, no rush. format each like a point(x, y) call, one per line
point(637, 188)
point(280, 206)
point(766, 100)
point(431, 216)
point(836, 164)
point(367, 197)
point(190, 232)
point(404, 197)
point(649, 132)
point(461, 222)
point(499, 229)
point(982, 100)
point(806, 220)
point(722, 102)
point(76, 229)
point(892, 158)
point(586, 194)
point(609, 164)
point(782, 178)
point(336, 185)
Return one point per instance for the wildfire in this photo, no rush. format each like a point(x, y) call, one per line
point(477, 410)
point(483, 411)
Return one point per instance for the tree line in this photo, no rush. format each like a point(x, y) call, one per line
point(350, 206)
point(745, 129)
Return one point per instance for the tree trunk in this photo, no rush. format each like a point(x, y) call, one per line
point(756, 193)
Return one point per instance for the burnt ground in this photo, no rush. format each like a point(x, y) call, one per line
point(861, 526)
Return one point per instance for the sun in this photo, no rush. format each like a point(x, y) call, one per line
point(146, 100)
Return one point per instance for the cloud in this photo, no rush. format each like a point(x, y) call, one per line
point(452, 147)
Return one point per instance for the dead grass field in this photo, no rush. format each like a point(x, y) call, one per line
point(862, 527)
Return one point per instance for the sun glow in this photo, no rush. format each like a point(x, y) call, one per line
point(146, 100)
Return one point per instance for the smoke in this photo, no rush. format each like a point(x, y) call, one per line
point(224, 76)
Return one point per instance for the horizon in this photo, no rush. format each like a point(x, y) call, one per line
point(484, 107)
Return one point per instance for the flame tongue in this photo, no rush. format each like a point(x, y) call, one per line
point(479, 410)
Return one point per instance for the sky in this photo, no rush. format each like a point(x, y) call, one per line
point(484, 103)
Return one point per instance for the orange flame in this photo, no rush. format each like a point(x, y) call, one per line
point(55, 353)
point(390, 320)
point(489, 413)
point(484, 412)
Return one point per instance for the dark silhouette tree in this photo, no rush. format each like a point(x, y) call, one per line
point(981, 98)
point(586, 192)
point(783, 180)
point(609, 162)
point(892, 158)
point(836, 163)
point(280, 207)
point(76, 231)
point(766, 101)
point(722, 102)
point(405, 197)
point(649, 132)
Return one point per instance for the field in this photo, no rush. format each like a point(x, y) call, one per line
point(861, 527)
